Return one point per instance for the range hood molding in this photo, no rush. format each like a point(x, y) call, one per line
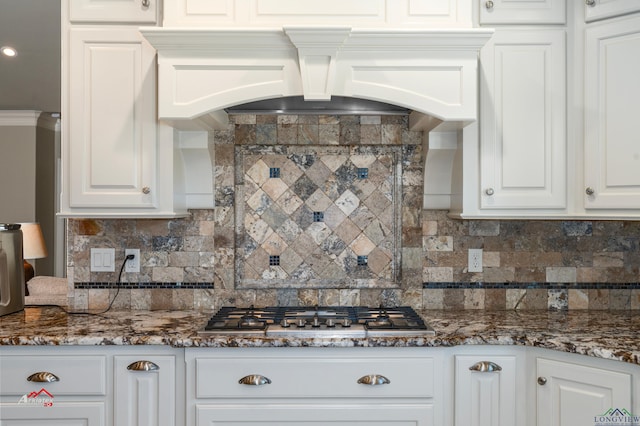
point(204, 71)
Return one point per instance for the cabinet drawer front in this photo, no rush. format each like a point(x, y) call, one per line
point(314, 377)
point(78, 375)
point(314, 415)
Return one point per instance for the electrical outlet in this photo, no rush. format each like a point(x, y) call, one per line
point(132, 265)
point(475, 260)
point(103, 260)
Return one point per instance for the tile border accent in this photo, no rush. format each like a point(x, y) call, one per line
point(531, 285)
point(147, 285)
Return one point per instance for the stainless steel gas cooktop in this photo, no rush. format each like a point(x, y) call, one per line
point(318, 321)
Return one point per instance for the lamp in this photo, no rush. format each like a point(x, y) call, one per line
point(33, 247)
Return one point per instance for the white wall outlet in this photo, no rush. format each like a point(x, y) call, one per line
point(132, 265)
point(475, 260)
point(103, 260)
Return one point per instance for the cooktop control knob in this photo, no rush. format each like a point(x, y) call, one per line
point(330, 322)
point(285, 323)
point(316, 321)
point(345, 322)
point(301, 322)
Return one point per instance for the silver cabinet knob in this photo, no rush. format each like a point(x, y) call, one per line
point(146, 3)
point(589, 191)
point(373, 380)
point(590, 2)
point(254, 380)
point(488, 4)
point(146, 190)
point(485, 367)
point(143, 366)
point(489, 191)
point(542, 381)
point(43, 377)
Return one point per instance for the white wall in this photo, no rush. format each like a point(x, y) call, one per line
point(18, 166)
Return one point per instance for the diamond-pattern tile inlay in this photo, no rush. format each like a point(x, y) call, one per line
point(330, 216)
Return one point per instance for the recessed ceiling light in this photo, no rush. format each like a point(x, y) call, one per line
point(8, 51)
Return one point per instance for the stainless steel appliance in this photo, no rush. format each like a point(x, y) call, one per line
point(318, 321)
point(12, 287)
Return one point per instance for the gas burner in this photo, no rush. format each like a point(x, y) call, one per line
point(318, 321)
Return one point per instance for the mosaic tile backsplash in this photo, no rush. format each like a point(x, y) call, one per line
point(324, 216)
point(193, 262)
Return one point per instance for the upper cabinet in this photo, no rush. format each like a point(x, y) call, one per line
point(611, 111)
point(522, 120)
point(117, 159)
point(523, 11)
point(599, 9)
point(114, 11)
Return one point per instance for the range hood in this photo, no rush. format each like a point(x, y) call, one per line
point(430, 74)
point(337, 105)
point(204, 72)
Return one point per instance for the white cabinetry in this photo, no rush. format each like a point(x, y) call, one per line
point(144, 390)
point(117, 159)
point(142, 11)
point(91, 386)
point(486, 390)
point(40, 386)
point(522, 11)
point(598, 9)
point(612, 151)
point(305, 386)
point(570, 394)
point(522, 120)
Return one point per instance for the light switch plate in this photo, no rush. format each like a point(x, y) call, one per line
point(103, 260)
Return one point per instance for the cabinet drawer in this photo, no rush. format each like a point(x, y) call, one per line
point(78, 375)
point(314, 377)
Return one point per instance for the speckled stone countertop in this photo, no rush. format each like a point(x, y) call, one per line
point(604, 334)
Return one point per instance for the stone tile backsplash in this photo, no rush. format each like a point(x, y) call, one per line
point(198, 262)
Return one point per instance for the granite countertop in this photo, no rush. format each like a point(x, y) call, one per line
point(604, 334)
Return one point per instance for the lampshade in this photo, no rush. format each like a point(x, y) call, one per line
point(33, 245)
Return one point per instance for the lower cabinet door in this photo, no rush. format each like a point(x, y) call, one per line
point(60, 413)
point(313, 415)
point(577, 395)
point(144, 390)
point(485, 390)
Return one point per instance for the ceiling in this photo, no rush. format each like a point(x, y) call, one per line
point(30, 80)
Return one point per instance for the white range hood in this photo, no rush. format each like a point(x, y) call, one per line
point(202, 71)
point(205, 68)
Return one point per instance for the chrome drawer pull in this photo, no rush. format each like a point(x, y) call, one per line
point(143, 366)
point(373, 380)
point(254, 380)
point(43, 377)
point(485, 367)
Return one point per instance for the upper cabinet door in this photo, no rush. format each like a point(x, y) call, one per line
point(120, 11)
point(522, 120)
point(612, 151)
point(599, 9)
point(110, 141)
point(523, 11)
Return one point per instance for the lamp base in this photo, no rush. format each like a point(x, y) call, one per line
point(28, 274)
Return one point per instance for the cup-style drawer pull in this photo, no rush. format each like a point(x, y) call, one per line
point(254, 380)
point(143, 366)
point(485, 367)
point(43, 377)
point(373, 380)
